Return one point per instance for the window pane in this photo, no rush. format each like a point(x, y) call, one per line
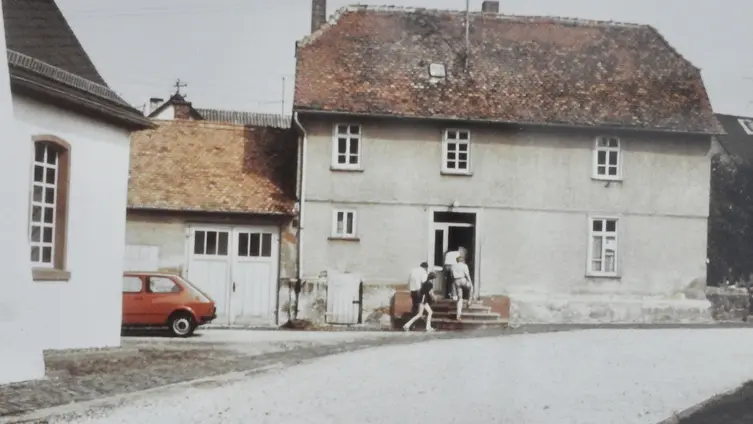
point(596, 243)
point(342, 145)
point(451, 147)
point(243, 244)
point(342, 129)
point(613, 158)
point(255, 244)
point(222, 245)
point(49, 213)
point(463, 156)
point(36, 214)
point(463, 135)
point(451, 156)
point(52, 156)
point(50, 177)
point(596, 225)
point(211, 243)
point(609, 262)
point(131, 285)
point(342, 158)
point(47, 238)
point(452, 135)
point(463, 147)
point(353, 159)
point(37, 197)
point(601, 157)
point(38, 173)
point(47, 254)
point(612, 171)
point(36, 233)
point(462, 164)
point(596, 266)
point(450, 164)
point(354, 146)
point(613, 142)
point(340, 221)
point(611, 225)
point(162, 285)
point(266, 245)
point(349, 227)
point(39, 152)
point(603, 142)
point(601, 170)
point(198, 242)
point(355, 129)
point(49, 195)
point(35, 254)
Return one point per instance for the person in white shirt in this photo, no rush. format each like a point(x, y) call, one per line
point(450, 259)
point(462, 283)
point(417, 277)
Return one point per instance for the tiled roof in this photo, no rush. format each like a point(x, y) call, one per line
point(737, 142)
point(44, 54)
point(201, 166)
point(38, 29)
point(245, 118)
point(526, 70)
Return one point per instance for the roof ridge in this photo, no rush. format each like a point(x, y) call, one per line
point(243, 111)
point(61, 75)
point(196, 123)
point(335, 17)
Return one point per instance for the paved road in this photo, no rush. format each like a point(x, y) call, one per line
point(584, 377)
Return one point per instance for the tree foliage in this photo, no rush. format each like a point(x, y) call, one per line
point(730, 236)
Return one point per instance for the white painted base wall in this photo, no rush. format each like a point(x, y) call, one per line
point(606, 309)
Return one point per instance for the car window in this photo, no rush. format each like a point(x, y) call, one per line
point(162, 285)
point(131, 284)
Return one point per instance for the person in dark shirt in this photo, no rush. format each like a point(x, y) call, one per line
point(427, 298)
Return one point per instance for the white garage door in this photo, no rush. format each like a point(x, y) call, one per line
point(237, 267)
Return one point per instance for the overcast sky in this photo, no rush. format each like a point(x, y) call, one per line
point(233, 54)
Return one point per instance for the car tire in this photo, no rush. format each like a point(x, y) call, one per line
point(181, 325)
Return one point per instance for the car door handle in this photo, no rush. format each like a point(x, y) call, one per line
point(234, 287)
point(138, 298)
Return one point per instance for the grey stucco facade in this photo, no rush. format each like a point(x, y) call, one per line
point(533, 192)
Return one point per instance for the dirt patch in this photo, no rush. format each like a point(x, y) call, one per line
point(735, 408)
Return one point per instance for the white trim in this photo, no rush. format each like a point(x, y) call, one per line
point(477, 245)
point(595, 161)
point(445, 152)
point(345, 234)
point(617, 251)
point(335, 146)
point(747, 124)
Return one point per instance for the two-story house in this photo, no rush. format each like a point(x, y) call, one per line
point(569, 157)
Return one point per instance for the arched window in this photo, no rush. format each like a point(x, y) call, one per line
point(49, 207)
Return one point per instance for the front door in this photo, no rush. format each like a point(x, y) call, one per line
point(449, 236)
point(254, 275)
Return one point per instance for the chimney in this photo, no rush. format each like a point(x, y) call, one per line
point(154, 103)
point(318, 14)
point(490, 7)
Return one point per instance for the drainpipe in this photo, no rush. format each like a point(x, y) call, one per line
point(301, 195)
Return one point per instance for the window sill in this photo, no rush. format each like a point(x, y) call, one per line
point(48, 274)
point(343, 169)
point(606, 179)
point(603, 276)
point(457, 173)
point(344, 238)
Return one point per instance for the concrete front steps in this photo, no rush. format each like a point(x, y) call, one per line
point(476, 317)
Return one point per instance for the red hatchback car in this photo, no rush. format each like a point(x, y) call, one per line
point(153, 299)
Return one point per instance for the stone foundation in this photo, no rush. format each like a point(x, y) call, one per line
point(728, 304)
point(602, 309)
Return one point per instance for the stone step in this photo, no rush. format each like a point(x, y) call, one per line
point(469, 316)
point(451, 324)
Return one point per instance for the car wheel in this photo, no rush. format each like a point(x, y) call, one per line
point(182, 325)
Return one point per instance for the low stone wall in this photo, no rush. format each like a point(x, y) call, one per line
point(728, 304)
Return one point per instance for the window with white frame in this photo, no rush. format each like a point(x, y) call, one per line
point(346, 149)
point(48, 209)
point(456, 151)
point(607, 160)
point(344, 224)
point(747, 125)
point(602, 247)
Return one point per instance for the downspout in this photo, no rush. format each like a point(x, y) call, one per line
point(301, 196)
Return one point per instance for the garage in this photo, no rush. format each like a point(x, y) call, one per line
point(237, 267)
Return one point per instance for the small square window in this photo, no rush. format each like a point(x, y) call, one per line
point(607, 159)
point(344, 224)
point(437, 70)
point(456, 150)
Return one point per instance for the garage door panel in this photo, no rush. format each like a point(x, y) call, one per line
point(255, 274)
point(209, 265)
